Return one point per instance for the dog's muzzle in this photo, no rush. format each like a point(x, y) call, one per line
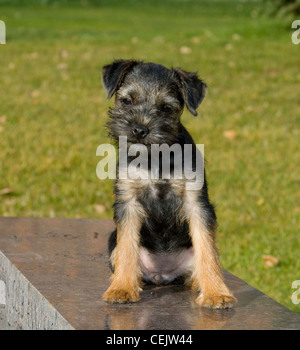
point(140, 131)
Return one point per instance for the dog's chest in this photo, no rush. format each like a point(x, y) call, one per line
point(160, 198)
point(160, 190)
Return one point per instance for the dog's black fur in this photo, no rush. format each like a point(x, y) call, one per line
point(149, 101)
point(160, 231)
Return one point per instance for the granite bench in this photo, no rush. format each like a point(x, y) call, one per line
point(54, 271)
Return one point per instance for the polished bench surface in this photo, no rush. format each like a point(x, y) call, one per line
point(61, 267)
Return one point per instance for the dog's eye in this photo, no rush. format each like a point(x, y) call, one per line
point(126, 101)
point(166, 109)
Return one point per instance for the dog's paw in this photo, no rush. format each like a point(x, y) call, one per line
point(216, 301)
point(115, 295)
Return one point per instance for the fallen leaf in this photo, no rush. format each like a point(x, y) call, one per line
point(185, 50)
point(34, 55)
point(35, 93)
point(64, 54)
point(62, 66)
point(230, 134)
point(195, 40)
point(228, 47)
point(236, 37)
point(249, 108)
point(270, 260)
point(260, 202)
point(100, 209)
point(248, 218)
point(158, 39)
point(4, 191)
point(3, 119)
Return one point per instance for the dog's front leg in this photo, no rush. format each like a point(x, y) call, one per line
point(207, 274)
point(126, 280)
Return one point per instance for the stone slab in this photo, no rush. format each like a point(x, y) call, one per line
point(22, 305)
point(66, 262)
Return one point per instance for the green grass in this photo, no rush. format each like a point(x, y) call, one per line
point(53, 111)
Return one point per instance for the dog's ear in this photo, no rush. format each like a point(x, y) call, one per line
point(114, 73)
point(193, 89)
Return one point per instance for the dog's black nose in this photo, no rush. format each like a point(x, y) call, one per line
point(140, 131)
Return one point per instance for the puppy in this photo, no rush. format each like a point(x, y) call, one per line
point(165, 225)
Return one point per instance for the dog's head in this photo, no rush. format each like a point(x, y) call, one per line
point(149, 100)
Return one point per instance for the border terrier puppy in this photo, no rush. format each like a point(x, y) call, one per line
point(165, 231)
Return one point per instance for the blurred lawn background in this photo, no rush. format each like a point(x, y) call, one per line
point(53, 112)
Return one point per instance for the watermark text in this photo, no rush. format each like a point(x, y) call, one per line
point(152, 162)
point(2, 32)
point(296, 294)
point(2, 293)
point(296, 34)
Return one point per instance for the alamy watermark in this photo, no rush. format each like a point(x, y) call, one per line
point(296, 34)
point(2, 293)
point(296, 294)
point(2, 33)
point(162, 162)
